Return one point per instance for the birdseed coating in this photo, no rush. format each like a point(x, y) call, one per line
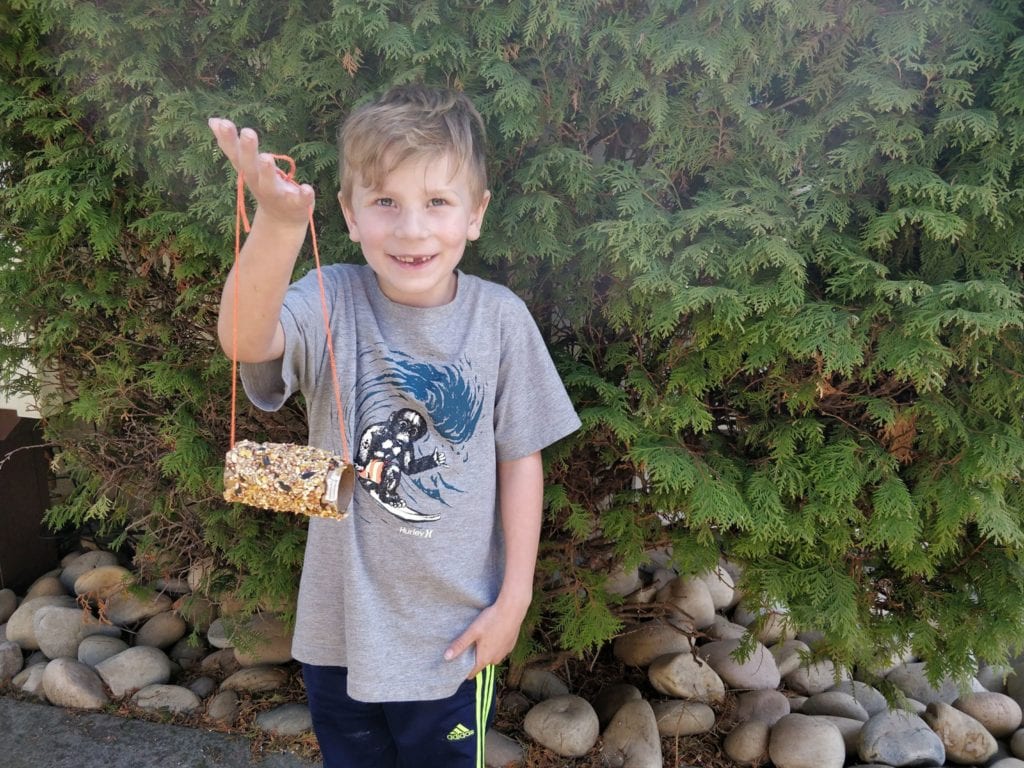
point(284, 477)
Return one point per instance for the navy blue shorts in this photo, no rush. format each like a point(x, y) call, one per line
point(447, 733)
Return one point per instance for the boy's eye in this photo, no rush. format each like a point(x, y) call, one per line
point(438, 201)
point(385, 202)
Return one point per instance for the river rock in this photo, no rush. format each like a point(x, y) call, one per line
point(30, 681)
point(610, 700)
point(1017, 743)
point(747, 743)
point(993, 676)
point(1006, 762)
point(162, 630)
point(203, 686)
point(135, 605)
point(965, 739)
point(96, 648)
point(69, 683)
point(723, 629)
point(999, 713)
point(640, 646)
point(188, 654)
point(199, 575)
point(11, 660)
point(813, 678)
point(683, 718)
point(83, 563)
point(623, 581)
point(835, 703)
point(256, 679)
point(866, 695)
point(47, 585)
point(539, 684)
point(757, 672)
point(789, 655)
point(689, 599)
point(103, 581)
point(20, 628)
point(8, 604)
point(59, 631)
point(223, 707)
point(198, 611)
point(768, 706)
point(217, 635)
point(683, 676)
point(134, 669)
point(266, 640)
point(173, 585)
point(721, 587)
point(221, 663)
point(801, 741)
point(769, 626)
point(287, 720)
point(910, 678)
point(632, 739)
point(567, 725)
point(900, 739)
point(500, 751)
point(849, 728)
point(167, 698)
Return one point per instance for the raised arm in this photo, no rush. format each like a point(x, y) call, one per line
point(268, 256)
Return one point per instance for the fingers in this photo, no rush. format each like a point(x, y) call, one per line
point(273, 191)
point(459, 646)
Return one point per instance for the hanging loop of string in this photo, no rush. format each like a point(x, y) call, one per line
point(242, 222)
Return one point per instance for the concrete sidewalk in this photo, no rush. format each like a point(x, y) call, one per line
point(41, 736)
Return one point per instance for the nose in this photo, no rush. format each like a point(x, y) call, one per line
point(411, 224)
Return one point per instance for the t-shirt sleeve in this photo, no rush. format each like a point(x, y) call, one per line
point(532, 409)
point(269, 385)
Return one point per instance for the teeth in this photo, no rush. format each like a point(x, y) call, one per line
point(413, 259)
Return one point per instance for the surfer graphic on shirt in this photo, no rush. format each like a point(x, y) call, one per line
point(386, 453)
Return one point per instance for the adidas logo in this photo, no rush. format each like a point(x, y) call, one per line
point(460, 732)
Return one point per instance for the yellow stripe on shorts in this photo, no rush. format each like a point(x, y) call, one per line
point(484, 700)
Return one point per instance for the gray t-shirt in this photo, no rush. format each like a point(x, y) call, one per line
point(433, 399)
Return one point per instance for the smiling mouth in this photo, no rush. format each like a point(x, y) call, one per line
point(413, 259)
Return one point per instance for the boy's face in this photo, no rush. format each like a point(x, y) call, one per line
point(413, 228)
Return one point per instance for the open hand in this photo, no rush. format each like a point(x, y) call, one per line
point(277, 196)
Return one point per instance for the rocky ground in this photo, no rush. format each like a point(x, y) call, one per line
point(669, 691)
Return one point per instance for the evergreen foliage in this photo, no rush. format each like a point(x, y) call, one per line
point(777, 249)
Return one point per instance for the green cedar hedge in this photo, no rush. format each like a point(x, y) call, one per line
point(776, 247)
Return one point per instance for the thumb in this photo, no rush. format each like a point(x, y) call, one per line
point(460, 644)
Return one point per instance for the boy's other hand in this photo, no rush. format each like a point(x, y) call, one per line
point(276, 196)
point(494, 633)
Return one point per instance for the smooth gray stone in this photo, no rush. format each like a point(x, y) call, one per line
point(540, 684)
point(900, 739)
point(866, 695)
point(567, 725)
point(166, 698)
point(134, 669)
point(288, 720)
point(70, 683)
point(632, 739)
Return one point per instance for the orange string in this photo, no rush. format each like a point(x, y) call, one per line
point(242, 221)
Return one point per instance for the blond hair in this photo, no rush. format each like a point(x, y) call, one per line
point(411, 122)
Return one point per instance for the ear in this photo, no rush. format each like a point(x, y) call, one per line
point(476, 219)
point(350, 219)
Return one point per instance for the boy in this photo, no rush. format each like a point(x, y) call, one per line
point(449, 395)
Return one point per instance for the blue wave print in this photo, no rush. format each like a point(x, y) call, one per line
point(452, 402)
